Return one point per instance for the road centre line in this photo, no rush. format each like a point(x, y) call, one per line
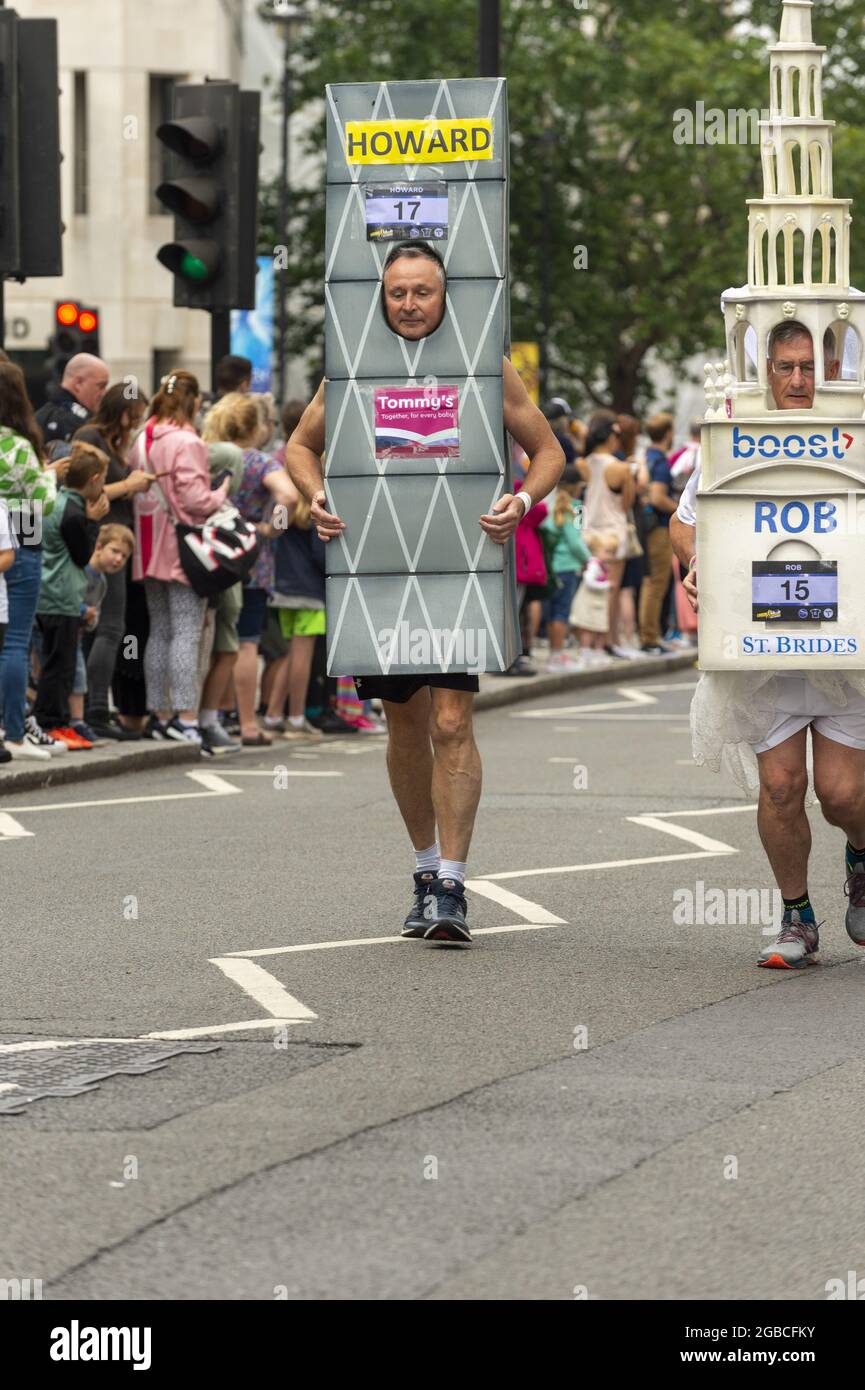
point(214, 786)
point(282, 771)
point(10, 829)
point(532, 912)
point(263, 988)
point(186, 1034)
point(610, 864)
point(681, 832)
point(703, 811)
point(387, 940)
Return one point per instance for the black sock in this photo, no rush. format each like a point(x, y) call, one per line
point(802, 905)
point(853, 856)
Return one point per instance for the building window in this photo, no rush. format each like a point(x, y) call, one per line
point(80, 173)
point(161, 109)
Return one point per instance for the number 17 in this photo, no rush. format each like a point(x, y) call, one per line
point(414, 204)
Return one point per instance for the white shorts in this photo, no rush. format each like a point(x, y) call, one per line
point(800, 704)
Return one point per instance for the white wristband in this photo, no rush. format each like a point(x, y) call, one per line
point(526, 500)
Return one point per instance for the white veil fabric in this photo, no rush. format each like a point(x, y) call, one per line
point(732, 711)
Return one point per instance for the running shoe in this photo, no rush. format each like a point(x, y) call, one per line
point(561, 663)
point(416, 923)
point(64, 733)
point(35, 735)
point(215, 740)
point(855, 918)
point(364, 725)
point(116, 732)
point(154, 729)
point(329, 722)
point(182, 733)
point(25, 749)
point(83, 730)
point(5, 755)
point(795, 946)
point(302, 733)
point(445, 910)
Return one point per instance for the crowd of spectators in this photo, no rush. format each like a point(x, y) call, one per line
point(102, 635)
point(597, 581)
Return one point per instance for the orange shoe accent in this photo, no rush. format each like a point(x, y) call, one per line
point(776, 963)
point(74, 742)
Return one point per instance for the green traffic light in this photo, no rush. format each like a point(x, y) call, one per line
point(192, 268)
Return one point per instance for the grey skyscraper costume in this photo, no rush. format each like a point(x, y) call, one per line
point(413, 583)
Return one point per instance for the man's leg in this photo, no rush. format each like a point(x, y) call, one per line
point(456, 774)
point(839, 781)
point(410, 764)
point(781, 818)
point(786, 837)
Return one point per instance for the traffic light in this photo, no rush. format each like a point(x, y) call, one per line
point(10, 229)
point(76, 329)
point(213, 194)
point(30, 226)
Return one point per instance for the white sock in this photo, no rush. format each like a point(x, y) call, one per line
point(207, 718)
point(296, 720)
point(425, 859)
point(271, 721)
point(187, 723)
point(452, 868)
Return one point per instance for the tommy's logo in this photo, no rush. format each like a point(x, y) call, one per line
point(791, 446)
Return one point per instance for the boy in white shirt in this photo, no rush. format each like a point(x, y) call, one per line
point(7, 555)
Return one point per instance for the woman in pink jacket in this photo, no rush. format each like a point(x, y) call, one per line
point(169, 447)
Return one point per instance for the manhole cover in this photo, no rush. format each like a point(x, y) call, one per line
point(72, 1070)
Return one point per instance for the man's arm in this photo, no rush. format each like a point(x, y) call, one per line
point(532, 432)
point(303, 453)
point(684, 539)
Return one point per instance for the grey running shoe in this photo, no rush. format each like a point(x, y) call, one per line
point(796, 945)
point(445, 909)
point(855, 918)
point(416, 923)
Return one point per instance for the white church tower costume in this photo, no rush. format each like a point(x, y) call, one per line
point(781, 502)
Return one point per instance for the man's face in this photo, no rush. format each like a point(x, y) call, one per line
point(414, 296)
point(89, 386)
point(791, 373)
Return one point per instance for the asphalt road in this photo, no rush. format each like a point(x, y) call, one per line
point(600, 1098)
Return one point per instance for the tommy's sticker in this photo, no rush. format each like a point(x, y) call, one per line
point(414, 422)
point(780, 644)
point(418, 142)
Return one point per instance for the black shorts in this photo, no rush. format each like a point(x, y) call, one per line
point(399, 689)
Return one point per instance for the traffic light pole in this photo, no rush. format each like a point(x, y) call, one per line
point(220, 340)
point(489, 29)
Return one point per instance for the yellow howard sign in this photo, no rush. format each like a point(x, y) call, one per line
point(418, 142)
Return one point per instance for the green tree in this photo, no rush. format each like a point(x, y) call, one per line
point(593, 96)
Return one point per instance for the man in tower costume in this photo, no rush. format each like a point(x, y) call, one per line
point(796, 316)
point(433, 760)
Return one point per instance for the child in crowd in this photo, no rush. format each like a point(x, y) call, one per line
point(298, 596)
point(114, 546)
point(567, 554)
point(7, 555)
point(590, 613)
point(66, 551)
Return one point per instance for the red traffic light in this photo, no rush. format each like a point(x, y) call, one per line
point(88, 321)
point(67, 314)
